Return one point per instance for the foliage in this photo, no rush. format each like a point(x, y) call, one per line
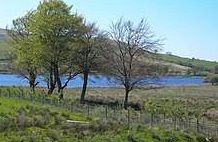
point(212, 78)
point(23, 57)
point(55, 28)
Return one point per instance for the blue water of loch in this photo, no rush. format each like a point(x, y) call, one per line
point(103, 81)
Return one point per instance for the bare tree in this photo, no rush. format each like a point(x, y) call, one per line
point(87, 55)
point(128, 56)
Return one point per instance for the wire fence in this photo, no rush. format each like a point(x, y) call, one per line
point(127, 117)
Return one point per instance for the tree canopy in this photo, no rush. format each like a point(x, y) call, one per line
point(59, 44)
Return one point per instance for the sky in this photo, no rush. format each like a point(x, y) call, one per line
point(189, 27)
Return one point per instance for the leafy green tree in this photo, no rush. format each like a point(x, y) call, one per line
point(55, 27)
point(22, 53)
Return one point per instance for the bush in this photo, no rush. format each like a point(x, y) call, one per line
point(58, 119)
point(5, 123)
point(54, 135)
point(39, 121)
point(201, 139)
point(216, 69)
point(212, 79)
point(131, 138)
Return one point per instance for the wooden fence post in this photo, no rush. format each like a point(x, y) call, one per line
point(106, 112)
point(88, 109)
point(198, 125)
point(128, 118)
point(139, 118)
point(152, 119)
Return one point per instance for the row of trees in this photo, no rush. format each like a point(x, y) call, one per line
point(58, 44)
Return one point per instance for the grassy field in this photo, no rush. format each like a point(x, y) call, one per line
point(25, 119)
point(200, 100)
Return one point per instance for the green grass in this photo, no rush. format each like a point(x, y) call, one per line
point(144, 134)
point(193, 101)
point(12, 106)
point(199, 64)
point(27, 121)
point(20, 119)
point(141, 134)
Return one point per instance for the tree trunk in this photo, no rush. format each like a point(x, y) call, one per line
point(32, 85)
point(32, 79)
point(61, 94)
point(51, 82)
point(59, 83)
point(198, 125)
point(126, 99)
point(85, 82)
point(57, 78)
point(51, 89)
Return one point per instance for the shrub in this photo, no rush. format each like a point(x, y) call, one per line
point(4, 123)
point(155, 136)
point(212, 79)
point(54, 135)
point(23, 121)
point(38, 121)
point(58, 119)
point(131, 138)
point(216, 69)
point(201, 139)
point(65, 115)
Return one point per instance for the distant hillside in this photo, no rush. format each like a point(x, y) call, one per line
point(193, 63)
point(3, 34)
point(3, 43)
point(175, 63)
point(4, 47)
